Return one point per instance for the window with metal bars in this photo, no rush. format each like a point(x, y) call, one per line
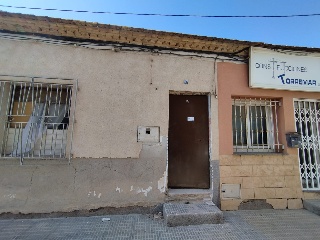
point(255, 125)
point(35, 118)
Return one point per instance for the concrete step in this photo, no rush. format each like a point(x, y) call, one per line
point(184, 214)
point(188, 195)
point(312, 205)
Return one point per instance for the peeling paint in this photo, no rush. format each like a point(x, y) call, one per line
point(144, 191)
point(10, 196)
point(162, 183)
point(94, 194)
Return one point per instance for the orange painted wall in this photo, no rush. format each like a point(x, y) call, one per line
point(233, 80)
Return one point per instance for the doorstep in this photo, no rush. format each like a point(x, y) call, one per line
point(184, 214)
point(312, 205)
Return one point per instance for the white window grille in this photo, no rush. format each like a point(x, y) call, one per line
point(36, 118)
point(255, 125)
point(307, 118)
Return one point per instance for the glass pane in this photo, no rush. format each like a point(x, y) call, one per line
point(239, 125)
point(258, 125)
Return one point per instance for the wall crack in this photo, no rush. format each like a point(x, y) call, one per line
point(31, 180)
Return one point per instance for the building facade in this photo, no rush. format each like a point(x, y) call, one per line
point(95, 116)
point(256, 154)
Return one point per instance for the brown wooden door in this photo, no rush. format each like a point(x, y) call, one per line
point(188, 142)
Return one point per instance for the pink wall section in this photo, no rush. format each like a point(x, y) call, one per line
point(233, 80)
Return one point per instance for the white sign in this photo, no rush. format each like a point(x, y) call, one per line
point(285, 71)
point(190, 119)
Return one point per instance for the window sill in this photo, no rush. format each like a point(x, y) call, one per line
point(34, 161)
point(257, 153)
point(311, 191)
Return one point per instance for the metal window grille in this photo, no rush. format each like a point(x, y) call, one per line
point(36, 118)
point(255, 125)
point(307, 118)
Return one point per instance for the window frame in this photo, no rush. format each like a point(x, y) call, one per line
point(7, 101)
point(246, 144)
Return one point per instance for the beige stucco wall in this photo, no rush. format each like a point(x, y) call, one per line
point(271, 177)
point(118, 91)
point(55, 186)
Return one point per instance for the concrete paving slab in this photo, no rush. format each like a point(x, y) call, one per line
point(245, 224)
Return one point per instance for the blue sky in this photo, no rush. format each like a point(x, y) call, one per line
point(297, 31)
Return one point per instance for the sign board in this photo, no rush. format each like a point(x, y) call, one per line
point(284, 70)
point(190, 119)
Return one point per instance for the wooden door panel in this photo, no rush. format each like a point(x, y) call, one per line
point(188, 142)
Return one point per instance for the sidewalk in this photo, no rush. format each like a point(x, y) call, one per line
point(245, 224)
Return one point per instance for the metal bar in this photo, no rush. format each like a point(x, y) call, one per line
point(21, 154)
point(10, 113)
point(276, 134)
point(29, 134)
point(250, 124)
point(315, 135)
point(45, 109)
point(63, 125)
point(25, 100)
point(61, 145)
point(308, 140)
point(299, 103)
point(256, 123)
point(32, 100)
point(12, 99)
point(243, 135)
point(67, 109)
point(313, 149)
point(18, 104)
point(235, 123)
point(40, 94)
point(317, 110)
point(306, 145)
point(261, 121)
point(23, 103)
point(241, 124)
point(59, 103)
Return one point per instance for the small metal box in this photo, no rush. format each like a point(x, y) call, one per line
point(148, 134)
point(230, 191)
point(293, 139)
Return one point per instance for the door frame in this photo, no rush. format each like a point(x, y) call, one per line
point(209, 97)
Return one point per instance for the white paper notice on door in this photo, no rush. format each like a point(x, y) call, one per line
point(190, 119)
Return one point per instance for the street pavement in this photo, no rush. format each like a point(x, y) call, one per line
point(244, 224)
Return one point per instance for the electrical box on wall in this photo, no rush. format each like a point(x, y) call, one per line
point(148, 134)
point(230, 191)
point(293, 139)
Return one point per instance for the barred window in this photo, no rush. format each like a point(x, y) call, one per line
point(255, 125)
point(36, 118)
